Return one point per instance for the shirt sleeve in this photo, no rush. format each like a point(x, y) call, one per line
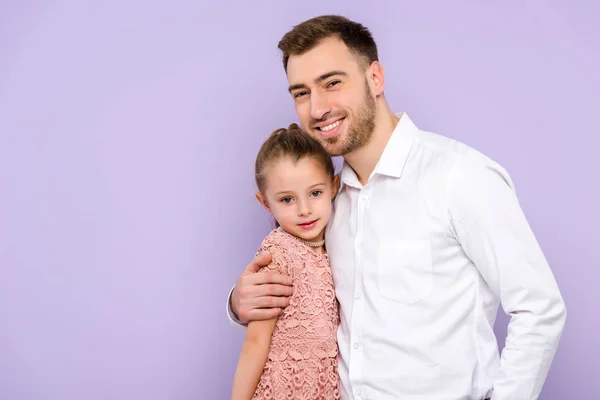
point(232, 318)
point(493, 231)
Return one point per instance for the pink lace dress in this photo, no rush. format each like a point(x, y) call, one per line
point(303, 357)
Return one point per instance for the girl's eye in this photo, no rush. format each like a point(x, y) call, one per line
point(316, 193)
point(286, 200)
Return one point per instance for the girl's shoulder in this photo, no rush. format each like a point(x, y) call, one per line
point(279, 245)
point(289, 247)
point(281, 239)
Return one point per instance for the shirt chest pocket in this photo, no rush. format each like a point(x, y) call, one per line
point(405, 270)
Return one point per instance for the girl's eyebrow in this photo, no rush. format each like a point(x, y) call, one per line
point(290, 191)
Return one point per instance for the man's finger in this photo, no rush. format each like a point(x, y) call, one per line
point(263, 313)
point(258, 262)
point(266, 278)
point(274, 290)
point(265, 302)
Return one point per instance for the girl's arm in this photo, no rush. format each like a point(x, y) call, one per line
point(253, 358)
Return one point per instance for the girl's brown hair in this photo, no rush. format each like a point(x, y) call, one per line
point(291, 142)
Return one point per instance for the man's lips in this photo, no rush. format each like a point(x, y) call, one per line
point(331, 128)
point(324, 126)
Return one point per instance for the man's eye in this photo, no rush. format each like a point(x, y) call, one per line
point(333, 83)
point(299, 94)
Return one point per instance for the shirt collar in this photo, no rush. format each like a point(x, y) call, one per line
point(394, 156)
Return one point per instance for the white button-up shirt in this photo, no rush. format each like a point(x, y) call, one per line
point(421, 256)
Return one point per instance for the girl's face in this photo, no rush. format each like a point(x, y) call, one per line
point(299, 195)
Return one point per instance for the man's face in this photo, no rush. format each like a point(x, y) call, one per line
point(332, 98)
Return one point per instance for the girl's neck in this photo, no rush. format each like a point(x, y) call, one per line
point(317, 246)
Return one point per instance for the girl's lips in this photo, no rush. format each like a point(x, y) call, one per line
point(308, 225)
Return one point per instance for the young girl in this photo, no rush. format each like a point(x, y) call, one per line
point(295, 355)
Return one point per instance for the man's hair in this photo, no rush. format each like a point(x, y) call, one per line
point(308, 34)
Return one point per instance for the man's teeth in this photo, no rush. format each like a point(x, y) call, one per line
point(331, 126)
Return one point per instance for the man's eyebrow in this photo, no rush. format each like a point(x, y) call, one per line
point(329, 75)
point(319, 79)
point(296, 86)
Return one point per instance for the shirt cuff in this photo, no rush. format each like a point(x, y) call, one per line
point(232, 318)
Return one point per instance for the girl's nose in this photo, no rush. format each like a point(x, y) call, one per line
point(303, 208)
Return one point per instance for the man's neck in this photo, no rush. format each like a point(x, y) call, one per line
point(364, 160)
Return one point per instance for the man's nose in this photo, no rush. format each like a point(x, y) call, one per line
point(319, 106)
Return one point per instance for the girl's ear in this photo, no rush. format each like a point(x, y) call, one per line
point(262, 201)
point(336, 186)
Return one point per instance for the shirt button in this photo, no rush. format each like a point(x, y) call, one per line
point(357, 296)
point(356, 345)
point(358, 392)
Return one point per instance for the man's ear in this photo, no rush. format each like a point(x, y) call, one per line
point(376, 76)
point(336, 186)
point(262, 201)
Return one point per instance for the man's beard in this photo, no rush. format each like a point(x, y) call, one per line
point(359, 133)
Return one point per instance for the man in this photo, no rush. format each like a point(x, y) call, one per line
point(426, 240)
